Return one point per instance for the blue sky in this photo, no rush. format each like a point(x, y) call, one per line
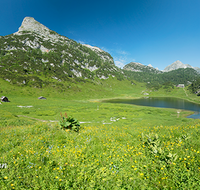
point(156, 32)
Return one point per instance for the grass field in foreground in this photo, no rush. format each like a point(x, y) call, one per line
point(42, 156)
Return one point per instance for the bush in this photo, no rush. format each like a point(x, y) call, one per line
point(69, 123)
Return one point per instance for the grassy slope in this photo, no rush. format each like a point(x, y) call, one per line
point(112, 149)
point(82, 102)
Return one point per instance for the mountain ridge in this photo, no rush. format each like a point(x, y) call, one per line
point(37, 56)
point(139, 67)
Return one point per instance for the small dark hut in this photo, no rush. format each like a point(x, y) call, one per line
point(4, 99)
point(42, 98)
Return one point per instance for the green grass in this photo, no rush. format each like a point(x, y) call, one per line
point(22, 109)
point(41, 156)
point(118, 146)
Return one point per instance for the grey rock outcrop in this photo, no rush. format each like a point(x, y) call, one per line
point(30, 24)
point(99, 51)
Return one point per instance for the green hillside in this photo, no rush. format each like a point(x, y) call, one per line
point(22, 64)
point(179, 76)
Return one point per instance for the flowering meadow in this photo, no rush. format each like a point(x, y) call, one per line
point(42, 156)
point(117, 146)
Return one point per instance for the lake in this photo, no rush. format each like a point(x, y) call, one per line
point(162, 102)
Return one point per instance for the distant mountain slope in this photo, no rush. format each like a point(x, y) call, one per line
point(176, 73)
point(178, 76)
point(177, 65)
point(38, 55)
point(138, 67)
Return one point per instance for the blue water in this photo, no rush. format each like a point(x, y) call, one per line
point(163, 102)
point(196, 115)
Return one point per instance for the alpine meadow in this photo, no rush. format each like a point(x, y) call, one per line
point(56, 131)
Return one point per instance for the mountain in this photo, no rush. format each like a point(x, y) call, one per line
point(197, 69)
point(177, 65)
point(155, 78)
point(36, 55)
point(138, 67)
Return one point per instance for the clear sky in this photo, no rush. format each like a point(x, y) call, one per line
point(156, 32)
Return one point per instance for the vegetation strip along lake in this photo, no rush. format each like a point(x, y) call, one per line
point(162, 102)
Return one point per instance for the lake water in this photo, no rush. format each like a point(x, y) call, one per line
point(162, 102)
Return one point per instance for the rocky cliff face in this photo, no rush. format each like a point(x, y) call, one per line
point(30, 24)
point(33, 27)
point(36, 50)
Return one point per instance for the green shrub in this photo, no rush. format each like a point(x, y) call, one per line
point(69, 123)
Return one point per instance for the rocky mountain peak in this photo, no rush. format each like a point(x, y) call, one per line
point(176, 65)
point(30, 24)
point(178, 62)
point(44, 51)
point(149, 65)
